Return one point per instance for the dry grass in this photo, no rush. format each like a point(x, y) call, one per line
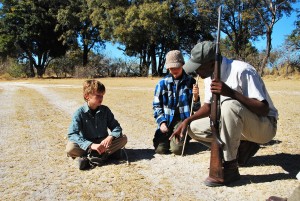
point(35, 115)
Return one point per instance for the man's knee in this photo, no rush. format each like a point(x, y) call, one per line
point(230, 107)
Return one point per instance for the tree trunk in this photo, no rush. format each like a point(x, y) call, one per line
point(153, 59)
point(30, 70)
point(85, 55)
point(268, 50)
point(40, 71)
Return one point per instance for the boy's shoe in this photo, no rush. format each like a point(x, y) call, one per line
point(246, 150)
point(84, 163)
point(98, 160)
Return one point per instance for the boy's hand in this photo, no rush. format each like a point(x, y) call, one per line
point(163, 128)
point(102, 147)
point(107, 141)
point(195, 93)
point(98, 147)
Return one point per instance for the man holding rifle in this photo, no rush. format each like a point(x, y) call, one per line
point(248, 116)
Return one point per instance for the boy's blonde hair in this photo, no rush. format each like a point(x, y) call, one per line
point(92, 86)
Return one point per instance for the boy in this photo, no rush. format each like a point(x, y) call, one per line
point(88, 135)
point(171, 105)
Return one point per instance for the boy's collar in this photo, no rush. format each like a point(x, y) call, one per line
point(86, 107)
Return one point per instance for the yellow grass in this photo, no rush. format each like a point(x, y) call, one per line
point(34, 119)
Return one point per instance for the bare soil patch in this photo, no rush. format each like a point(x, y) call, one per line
point(34, 119)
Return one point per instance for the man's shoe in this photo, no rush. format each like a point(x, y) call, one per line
point(246, 150)
point(83, 163)
point(231, 174)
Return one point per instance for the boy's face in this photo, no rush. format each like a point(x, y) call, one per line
point(176, 72)
point(94, 100)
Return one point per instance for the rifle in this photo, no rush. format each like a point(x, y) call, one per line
point(216, 156)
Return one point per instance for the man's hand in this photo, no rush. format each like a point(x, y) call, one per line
point(195, 92)
point(180, 131)
point(163, 127)
point(219, 87)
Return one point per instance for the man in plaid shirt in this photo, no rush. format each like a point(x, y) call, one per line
point(172, 99)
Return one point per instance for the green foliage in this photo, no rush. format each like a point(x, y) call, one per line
point(238, 21)
point(270, 12)
point(149, 29)
point(31, 23)
point(293, 40)
point(75, 24)
point(16, 70)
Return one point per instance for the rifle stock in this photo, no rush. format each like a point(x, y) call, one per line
point(216, 157)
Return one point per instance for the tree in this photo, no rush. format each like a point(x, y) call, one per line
point(31, 23)
point(237, 22)
point(149, 29)
point(270, 12)
point(293, 40)
point(75, 23)
point(7, 47)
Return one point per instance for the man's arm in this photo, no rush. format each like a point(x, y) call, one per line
point(260, 108)
point(204, 111)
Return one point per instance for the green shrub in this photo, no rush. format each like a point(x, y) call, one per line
point(16, 70)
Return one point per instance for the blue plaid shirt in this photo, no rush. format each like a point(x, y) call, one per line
point(167, 99)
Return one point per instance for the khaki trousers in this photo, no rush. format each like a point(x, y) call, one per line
point(73, 150)
point(236, 123)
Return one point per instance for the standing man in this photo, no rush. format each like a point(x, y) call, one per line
point(248, 116)
point(172, 99)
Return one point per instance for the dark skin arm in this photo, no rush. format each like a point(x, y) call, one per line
point(203, 111)
point(260, 108)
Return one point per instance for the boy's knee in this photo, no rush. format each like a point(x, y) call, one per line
point(162, 148)
point(176, 150)
point(73, 150)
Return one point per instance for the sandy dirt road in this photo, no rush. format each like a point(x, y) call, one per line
point(34, 118)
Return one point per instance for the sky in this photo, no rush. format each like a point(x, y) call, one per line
point(281, 29)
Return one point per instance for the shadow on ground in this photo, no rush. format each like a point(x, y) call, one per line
point(147, 154)
point(288, 162)
point(194, 148)
point(140, 154)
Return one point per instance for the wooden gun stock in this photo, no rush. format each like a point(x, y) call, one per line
point(216, 158)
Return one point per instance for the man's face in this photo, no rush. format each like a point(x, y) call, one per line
point(176, 72)
point(206, 70)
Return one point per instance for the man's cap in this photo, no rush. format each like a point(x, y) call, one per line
point(202, 53)
point(174, 59)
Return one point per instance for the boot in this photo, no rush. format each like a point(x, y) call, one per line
point(231, 174)
point(246, 150)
